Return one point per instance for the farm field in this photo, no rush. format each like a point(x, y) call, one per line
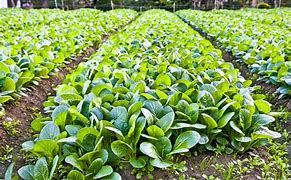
point(258, 38)
point(149, 97)
point(35, 43)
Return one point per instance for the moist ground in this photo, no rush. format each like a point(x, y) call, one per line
point(200, 165)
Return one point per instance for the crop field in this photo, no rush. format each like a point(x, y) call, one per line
point(87, 94)
point(263, 43)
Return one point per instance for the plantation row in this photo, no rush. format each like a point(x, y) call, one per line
point(278, 17)
point(262, 43)
point(34, 43)
point(154, 90)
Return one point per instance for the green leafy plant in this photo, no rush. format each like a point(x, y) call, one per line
point(6, 154)
point(39, 42)
point(157, 89)
point(255, 37)
point(11, 126)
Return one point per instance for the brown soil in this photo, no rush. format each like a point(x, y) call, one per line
point(197, 166)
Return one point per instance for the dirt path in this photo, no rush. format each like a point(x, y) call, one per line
point(199, 166)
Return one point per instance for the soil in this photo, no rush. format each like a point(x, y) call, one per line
point(197, 166)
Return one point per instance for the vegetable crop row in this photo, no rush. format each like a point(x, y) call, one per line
point(263, 45)
point(154, 90)
point(17, 19)
point(30, 50)
point(273, 17)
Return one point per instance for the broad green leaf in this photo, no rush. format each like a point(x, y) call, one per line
point(104, 171)
point(161, 94)
point(139, 162)
point(154, 107)
point(113, 176)
point(4, 99)
point(140, 125)
point(75, 175)
point(27, 145)
point(119, 113)
point(261, 120)
point(80, 117)
point(73, 160)
point(69, 93)
point(59, 113)
point(263, 106)
point(174, 99)
point(46, 147)
point(225, 119)
point(155, 131)
point(203, 139)
point(264, 132)
point(193, 111)
point(134, 108)
point(54, 166)
point(149, 149)
point(166, 121)
point(9, 85)
point(73, 129)
point(245, 118)
point(26, 172)
point(117, 132)
point(4, 68)
point(49, 131)
point(163, 145)
point(162, 79)
point(161, 163)
point(40, 170)
point(9, 172)
point(86, 131)
point(185, 141)
point(235, 127)
point(186, 125)
point(95, 166)
point(209, 121)
point(121, 149)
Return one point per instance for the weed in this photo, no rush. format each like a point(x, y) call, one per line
point(10, 126)
point(5, 153)
point(2, 111)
